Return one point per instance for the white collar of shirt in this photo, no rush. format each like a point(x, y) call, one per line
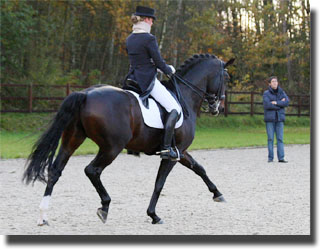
point(141, 27)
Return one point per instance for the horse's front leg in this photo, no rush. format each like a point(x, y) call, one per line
point(190, 163)
point(164, 170)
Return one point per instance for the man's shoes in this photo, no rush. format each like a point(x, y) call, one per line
point(270, 160)
point(283, 161)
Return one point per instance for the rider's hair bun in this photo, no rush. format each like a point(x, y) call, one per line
point(135, 19)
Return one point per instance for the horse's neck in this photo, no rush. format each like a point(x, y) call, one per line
point(193, 100)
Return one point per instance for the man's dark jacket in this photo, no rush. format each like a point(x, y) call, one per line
point(145, 58)
point(274, 113)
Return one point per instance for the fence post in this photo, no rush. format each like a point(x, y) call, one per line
point(68, 89)
point(30, 98)
point(226, 104)
point(251, 104)
point(299, 106)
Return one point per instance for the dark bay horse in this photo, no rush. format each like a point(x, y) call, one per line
point(111, 117)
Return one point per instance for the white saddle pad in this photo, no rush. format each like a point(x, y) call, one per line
point(151, 116)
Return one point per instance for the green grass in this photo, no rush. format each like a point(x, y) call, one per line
point(20, 131)
point(18, 145)
point(37, 121)
point(210, 138)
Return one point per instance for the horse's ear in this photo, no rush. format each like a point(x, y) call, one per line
point(231, 61)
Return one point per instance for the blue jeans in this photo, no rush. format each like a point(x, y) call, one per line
point(275, 127)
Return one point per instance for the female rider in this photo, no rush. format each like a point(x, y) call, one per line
point(145, 58)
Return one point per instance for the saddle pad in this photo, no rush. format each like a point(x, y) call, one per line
point(151, 116)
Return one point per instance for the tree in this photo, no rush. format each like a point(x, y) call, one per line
point(55, 42)
point(16, 33)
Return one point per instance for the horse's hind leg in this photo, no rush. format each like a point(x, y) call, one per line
point(72, 138)
point(93, 171)
point(190, 163)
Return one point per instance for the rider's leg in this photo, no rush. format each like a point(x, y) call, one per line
point(167, 152)
point(160, 93)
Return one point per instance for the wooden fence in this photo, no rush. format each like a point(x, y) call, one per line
point(30, 97)
point(299, 104)
point(236, 103)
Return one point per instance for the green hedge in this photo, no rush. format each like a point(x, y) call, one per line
point(32, 122)
point(38, 121)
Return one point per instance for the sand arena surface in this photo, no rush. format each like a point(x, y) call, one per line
point(262, 198)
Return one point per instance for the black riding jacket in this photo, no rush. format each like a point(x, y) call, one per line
point(145, 58)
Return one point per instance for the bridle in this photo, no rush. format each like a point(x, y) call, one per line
point(212, 99)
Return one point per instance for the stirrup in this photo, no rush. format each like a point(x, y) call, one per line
point(178, 153)
point(168, 156)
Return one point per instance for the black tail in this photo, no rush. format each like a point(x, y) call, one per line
point(44, 149)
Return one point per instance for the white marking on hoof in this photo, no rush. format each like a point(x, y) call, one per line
point(44, 206)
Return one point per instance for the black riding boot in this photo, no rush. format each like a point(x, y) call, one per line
point(167, 152)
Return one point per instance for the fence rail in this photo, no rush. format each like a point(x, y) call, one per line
point(302, 108)
point(249, 102)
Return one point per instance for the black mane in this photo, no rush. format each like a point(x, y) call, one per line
point(195, 59)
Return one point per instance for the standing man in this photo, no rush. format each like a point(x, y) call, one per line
point(274, 102)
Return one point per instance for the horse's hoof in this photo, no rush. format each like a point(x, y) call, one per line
point(43, 223)
point(157, 222)
point(219, 199)
point(102, 215)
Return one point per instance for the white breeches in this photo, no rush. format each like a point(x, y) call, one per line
point(162, 95)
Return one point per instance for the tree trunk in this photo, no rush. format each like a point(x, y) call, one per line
point(84, 60)
point(257, 18)
point(287, 42)
point(265, 17)
point(62, 44)
point(111, 51)
point(234, 13)
point(72, 31)
point(105, 52)
point(175, 31)
point(164, 26)
point(109, 41)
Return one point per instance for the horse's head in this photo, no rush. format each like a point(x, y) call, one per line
point(206, 76)
point(216, 86)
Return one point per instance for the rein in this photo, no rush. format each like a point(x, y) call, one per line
point(194, 88)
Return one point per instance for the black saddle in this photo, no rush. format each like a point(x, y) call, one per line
point(132, 85)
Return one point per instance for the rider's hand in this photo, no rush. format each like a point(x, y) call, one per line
point(173, 69)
